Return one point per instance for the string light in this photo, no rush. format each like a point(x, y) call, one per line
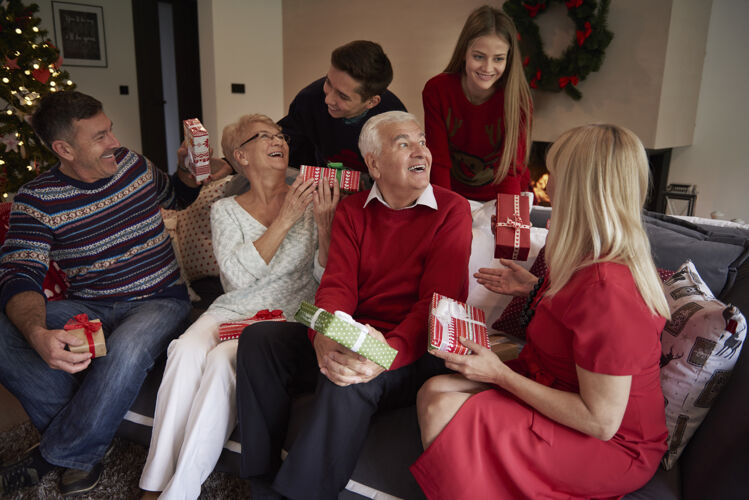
point(36, 66)
point(18, 31)
point(5, 79)
point(69, 82)
point(52, 84)
point(36, 30)
point(27, 72)
point(5, 195)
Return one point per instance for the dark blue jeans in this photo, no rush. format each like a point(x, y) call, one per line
point(79, 414)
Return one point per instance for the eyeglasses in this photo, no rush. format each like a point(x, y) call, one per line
point(265, 136)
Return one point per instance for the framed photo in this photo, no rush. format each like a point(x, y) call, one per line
point(79, 34)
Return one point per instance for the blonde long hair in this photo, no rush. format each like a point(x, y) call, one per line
point(487, 20)
point(600, 182)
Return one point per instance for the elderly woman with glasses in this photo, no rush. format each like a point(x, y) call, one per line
point(271, 244)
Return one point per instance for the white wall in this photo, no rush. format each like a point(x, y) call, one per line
point(717, 161)
point(240, 42)
point(104, 83)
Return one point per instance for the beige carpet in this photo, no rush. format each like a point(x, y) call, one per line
point(121, 472)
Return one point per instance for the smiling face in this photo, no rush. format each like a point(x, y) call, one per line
point(89, 155)
point(266, 151)
point(486, 59)
point(342, 96)
point(401, 168)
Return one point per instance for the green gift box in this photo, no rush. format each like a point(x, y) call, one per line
point(350, 334)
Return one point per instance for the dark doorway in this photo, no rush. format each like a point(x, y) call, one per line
point(151, 97)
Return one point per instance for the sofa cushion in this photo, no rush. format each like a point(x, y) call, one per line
point(700, 344)
point(717, 252)
point(190, 230)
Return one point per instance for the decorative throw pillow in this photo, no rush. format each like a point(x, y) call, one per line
point(191, 232)
point(511, 320)
point(55, 282)
point(700, 344)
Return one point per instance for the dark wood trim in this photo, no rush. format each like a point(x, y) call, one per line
point(150, 87)
point(660, 162)
point(187, 58)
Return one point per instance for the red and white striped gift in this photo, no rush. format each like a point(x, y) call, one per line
point(233, 329)
point(450, 319)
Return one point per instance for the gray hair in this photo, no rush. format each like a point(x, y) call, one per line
point(369, 138)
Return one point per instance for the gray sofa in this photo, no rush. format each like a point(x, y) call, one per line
point(714, 464)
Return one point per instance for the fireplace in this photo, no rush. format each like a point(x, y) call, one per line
point(659, 160)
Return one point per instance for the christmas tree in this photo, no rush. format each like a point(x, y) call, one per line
point(29, 70)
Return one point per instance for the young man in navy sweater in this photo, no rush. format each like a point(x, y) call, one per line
point(326, 117)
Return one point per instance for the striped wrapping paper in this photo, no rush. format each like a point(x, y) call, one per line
point(450, 319)
point(233, 329)
point(348, 180)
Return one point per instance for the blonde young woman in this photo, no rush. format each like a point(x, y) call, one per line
point(267, 241)
point(477, 113)
point(580, 412)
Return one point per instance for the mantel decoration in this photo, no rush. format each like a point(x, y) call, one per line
point(29, 69)
point(584, 55)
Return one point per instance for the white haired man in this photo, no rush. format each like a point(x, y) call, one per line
point(391, 248)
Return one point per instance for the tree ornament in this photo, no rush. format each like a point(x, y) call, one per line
point(583, 56)
point(12, 63)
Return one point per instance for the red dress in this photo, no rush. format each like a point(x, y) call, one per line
point(498, 447)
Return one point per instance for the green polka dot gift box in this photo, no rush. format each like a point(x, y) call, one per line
point(347, 332)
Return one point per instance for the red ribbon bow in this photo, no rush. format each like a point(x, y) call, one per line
point(573, 3)
point(81, 321)
point(533, 10)
point(583, 35)
point(266, 314)
point(563, 81)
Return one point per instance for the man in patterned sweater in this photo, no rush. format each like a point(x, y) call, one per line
point(96, 213)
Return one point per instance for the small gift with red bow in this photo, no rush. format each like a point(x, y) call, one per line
point(513, 227)
point(449, 320)
point(198, 160)
point(233, 329)
point(348, 180)
point(88, 330)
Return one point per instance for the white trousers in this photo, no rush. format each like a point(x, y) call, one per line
point(196, 411)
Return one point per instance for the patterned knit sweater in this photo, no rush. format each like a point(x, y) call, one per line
point(249, 283)
point(107, 236)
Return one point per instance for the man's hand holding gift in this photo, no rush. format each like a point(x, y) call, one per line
point(50, 345)
point(341, 365)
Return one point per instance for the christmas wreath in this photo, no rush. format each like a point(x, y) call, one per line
point(584, 55)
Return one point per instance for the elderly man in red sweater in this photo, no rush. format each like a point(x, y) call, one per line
point(391, 248)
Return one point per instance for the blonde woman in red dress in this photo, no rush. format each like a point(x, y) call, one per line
point(580, 413)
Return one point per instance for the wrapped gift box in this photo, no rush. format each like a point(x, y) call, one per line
point(198, 160)
point(449, 320)
point(513, 227)
point(233, 329)
point(348, 180)
point(347, 332)
point(90, 332)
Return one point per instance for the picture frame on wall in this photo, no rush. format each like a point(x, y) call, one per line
point(79, 34)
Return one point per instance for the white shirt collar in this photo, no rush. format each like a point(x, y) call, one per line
point(426, 198)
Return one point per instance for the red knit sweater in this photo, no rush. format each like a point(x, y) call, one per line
point(385, 264)
point(466, 141)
